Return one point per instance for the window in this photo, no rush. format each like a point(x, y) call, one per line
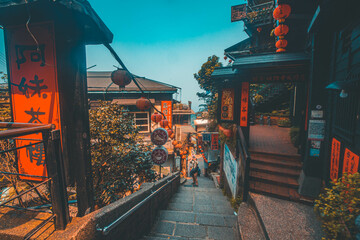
point(141, 120)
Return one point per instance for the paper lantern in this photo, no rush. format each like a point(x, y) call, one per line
point(225, 57)
point(281, 50)
point(172, 136)
point(121, 77)
point(259, 29)
point(282, 43)
point(156, 117)
point(164, 123)
point(281, 30)
point(174, 142)
point(143, 104)
point(282, 11)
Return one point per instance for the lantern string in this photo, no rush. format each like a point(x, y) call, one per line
point(27, 26)
point(117, 58)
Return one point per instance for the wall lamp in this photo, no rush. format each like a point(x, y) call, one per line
point(344, 87)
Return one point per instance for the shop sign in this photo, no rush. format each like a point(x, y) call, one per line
point(159, 136)
point(159, 155)
point(206, 137)
point(294, 77)
point(238, 12)
point(34, 90)
point(166, 109)
point(317, 114)
point(230, 169)
point(244, 104)
point(227, 104)
point(316, 129)
point(335, 157)
point(351, 162)
point(215, 141)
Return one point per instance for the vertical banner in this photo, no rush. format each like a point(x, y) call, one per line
point(215, 141)
point(335, 157)
point(34, 90)
point(227, 104)
point(351, 162)
point(166, 109)
point(244, 108)
point(230, 169)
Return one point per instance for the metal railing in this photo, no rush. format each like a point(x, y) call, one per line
point(243, 155)
point(55, 180)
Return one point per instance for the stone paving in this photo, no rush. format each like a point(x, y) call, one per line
point(196, 213)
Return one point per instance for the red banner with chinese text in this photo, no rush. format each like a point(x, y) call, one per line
point(244, 108)
point(166, 109)
point(34, 90)
point(215, 141)
point(351, 162)
point(335, 157)
point(227, 104)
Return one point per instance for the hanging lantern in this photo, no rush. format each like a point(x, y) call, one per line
point(156, 117)
point(181, 153)
point(174, 142)
point(178, 145)
point(225, 58)
point(170, 132)
point(282, 43)
point(281, 30)
point(259, 29)
point(164, 123)
point(121, 77)
point(282, 11)
point(230, 61)
point(281, 50)
point(172, 136)
point(143, 104)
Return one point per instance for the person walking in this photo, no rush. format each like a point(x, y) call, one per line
point(194, 169)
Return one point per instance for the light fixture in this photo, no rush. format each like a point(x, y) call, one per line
point(343, 93)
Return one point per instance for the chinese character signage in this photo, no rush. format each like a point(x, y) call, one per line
point(351, 162)
point(34, 92)
point(227, 104)
point(244, 104)
point(238, 12)
point(215, 141)
point(295, 77)
point(166, 109)
point(334, 159)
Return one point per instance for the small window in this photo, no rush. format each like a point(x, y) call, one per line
point(141, 120)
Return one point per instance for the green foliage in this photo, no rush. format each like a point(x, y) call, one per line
point(295, 136)
point(338, 207)
point(210, 96)
point(120, 160)
point(284, 123)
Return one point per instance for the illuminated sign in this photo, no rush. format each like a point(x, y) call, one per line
point(34, 90)
point(227, 104)
point(244, 104)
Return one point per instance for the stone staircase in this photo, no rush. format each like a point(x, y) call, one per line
point(275, 175)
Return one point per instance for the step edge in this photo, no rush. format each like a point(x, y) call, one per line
point(285, 184)
point(276, 163)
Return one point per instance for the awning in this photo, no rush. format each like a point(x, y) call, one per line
point(128, 102)
point(272, 60)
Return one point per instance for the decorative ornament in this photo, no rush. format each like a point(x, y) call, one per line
point(156, 117)
point(282, 11)
point(164, 123)
point(281, 30)
point(282, 43)
point(121, 77)
point(159, 136)
point(143, 104)
point(159, 155)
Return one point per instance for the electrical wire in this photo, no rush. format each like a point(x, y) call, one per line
point(27, 26)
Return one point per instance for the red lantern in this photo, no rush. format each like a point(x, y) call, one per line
point(156, 117)
point(172, 136)
point(259, 29)
point(282, 11)
point(282, 43)
point(225, 58)
point(121, 77)
point(169, 131)
point(143, 104)
point(174, 142)
point(164, 123)
point(281, 50)
point(230, 61)
point(281, 30)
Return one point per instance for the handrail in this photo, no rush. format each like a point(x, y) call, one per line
point(19, 124)
point(106, 230)
point(245, 158)
point(11, 133)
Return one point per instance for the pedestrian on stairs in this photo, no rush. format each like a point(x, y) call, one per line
point(194, 169)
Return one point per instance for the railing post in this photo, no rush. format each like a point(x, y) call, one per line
point(55, 170)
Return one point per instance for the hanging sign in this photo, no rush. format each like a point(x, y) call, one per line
point(227, 104)
point(166, 109)
point(238, 12)
point(34, 89)
point(159, 155)
point(244, 111)
point(206, 137)
point(159, 136)
point(351, 162)
point(215, 141)
point(230, 169)
point(335, 157)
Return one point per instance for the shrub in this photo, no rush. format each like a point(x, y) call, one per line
point(284, 123)
point(338, 207)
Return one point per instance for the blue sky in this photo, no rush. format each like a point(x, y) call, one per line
point(164, 40)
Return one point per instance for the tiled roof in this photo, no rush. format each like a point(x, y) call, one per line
point(101, 81)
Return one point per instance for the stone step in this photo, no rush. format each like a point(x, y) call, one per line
point(268, 155)
point(277, 162)
point(274, 179)
point(249, 225)
point(281, 171)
